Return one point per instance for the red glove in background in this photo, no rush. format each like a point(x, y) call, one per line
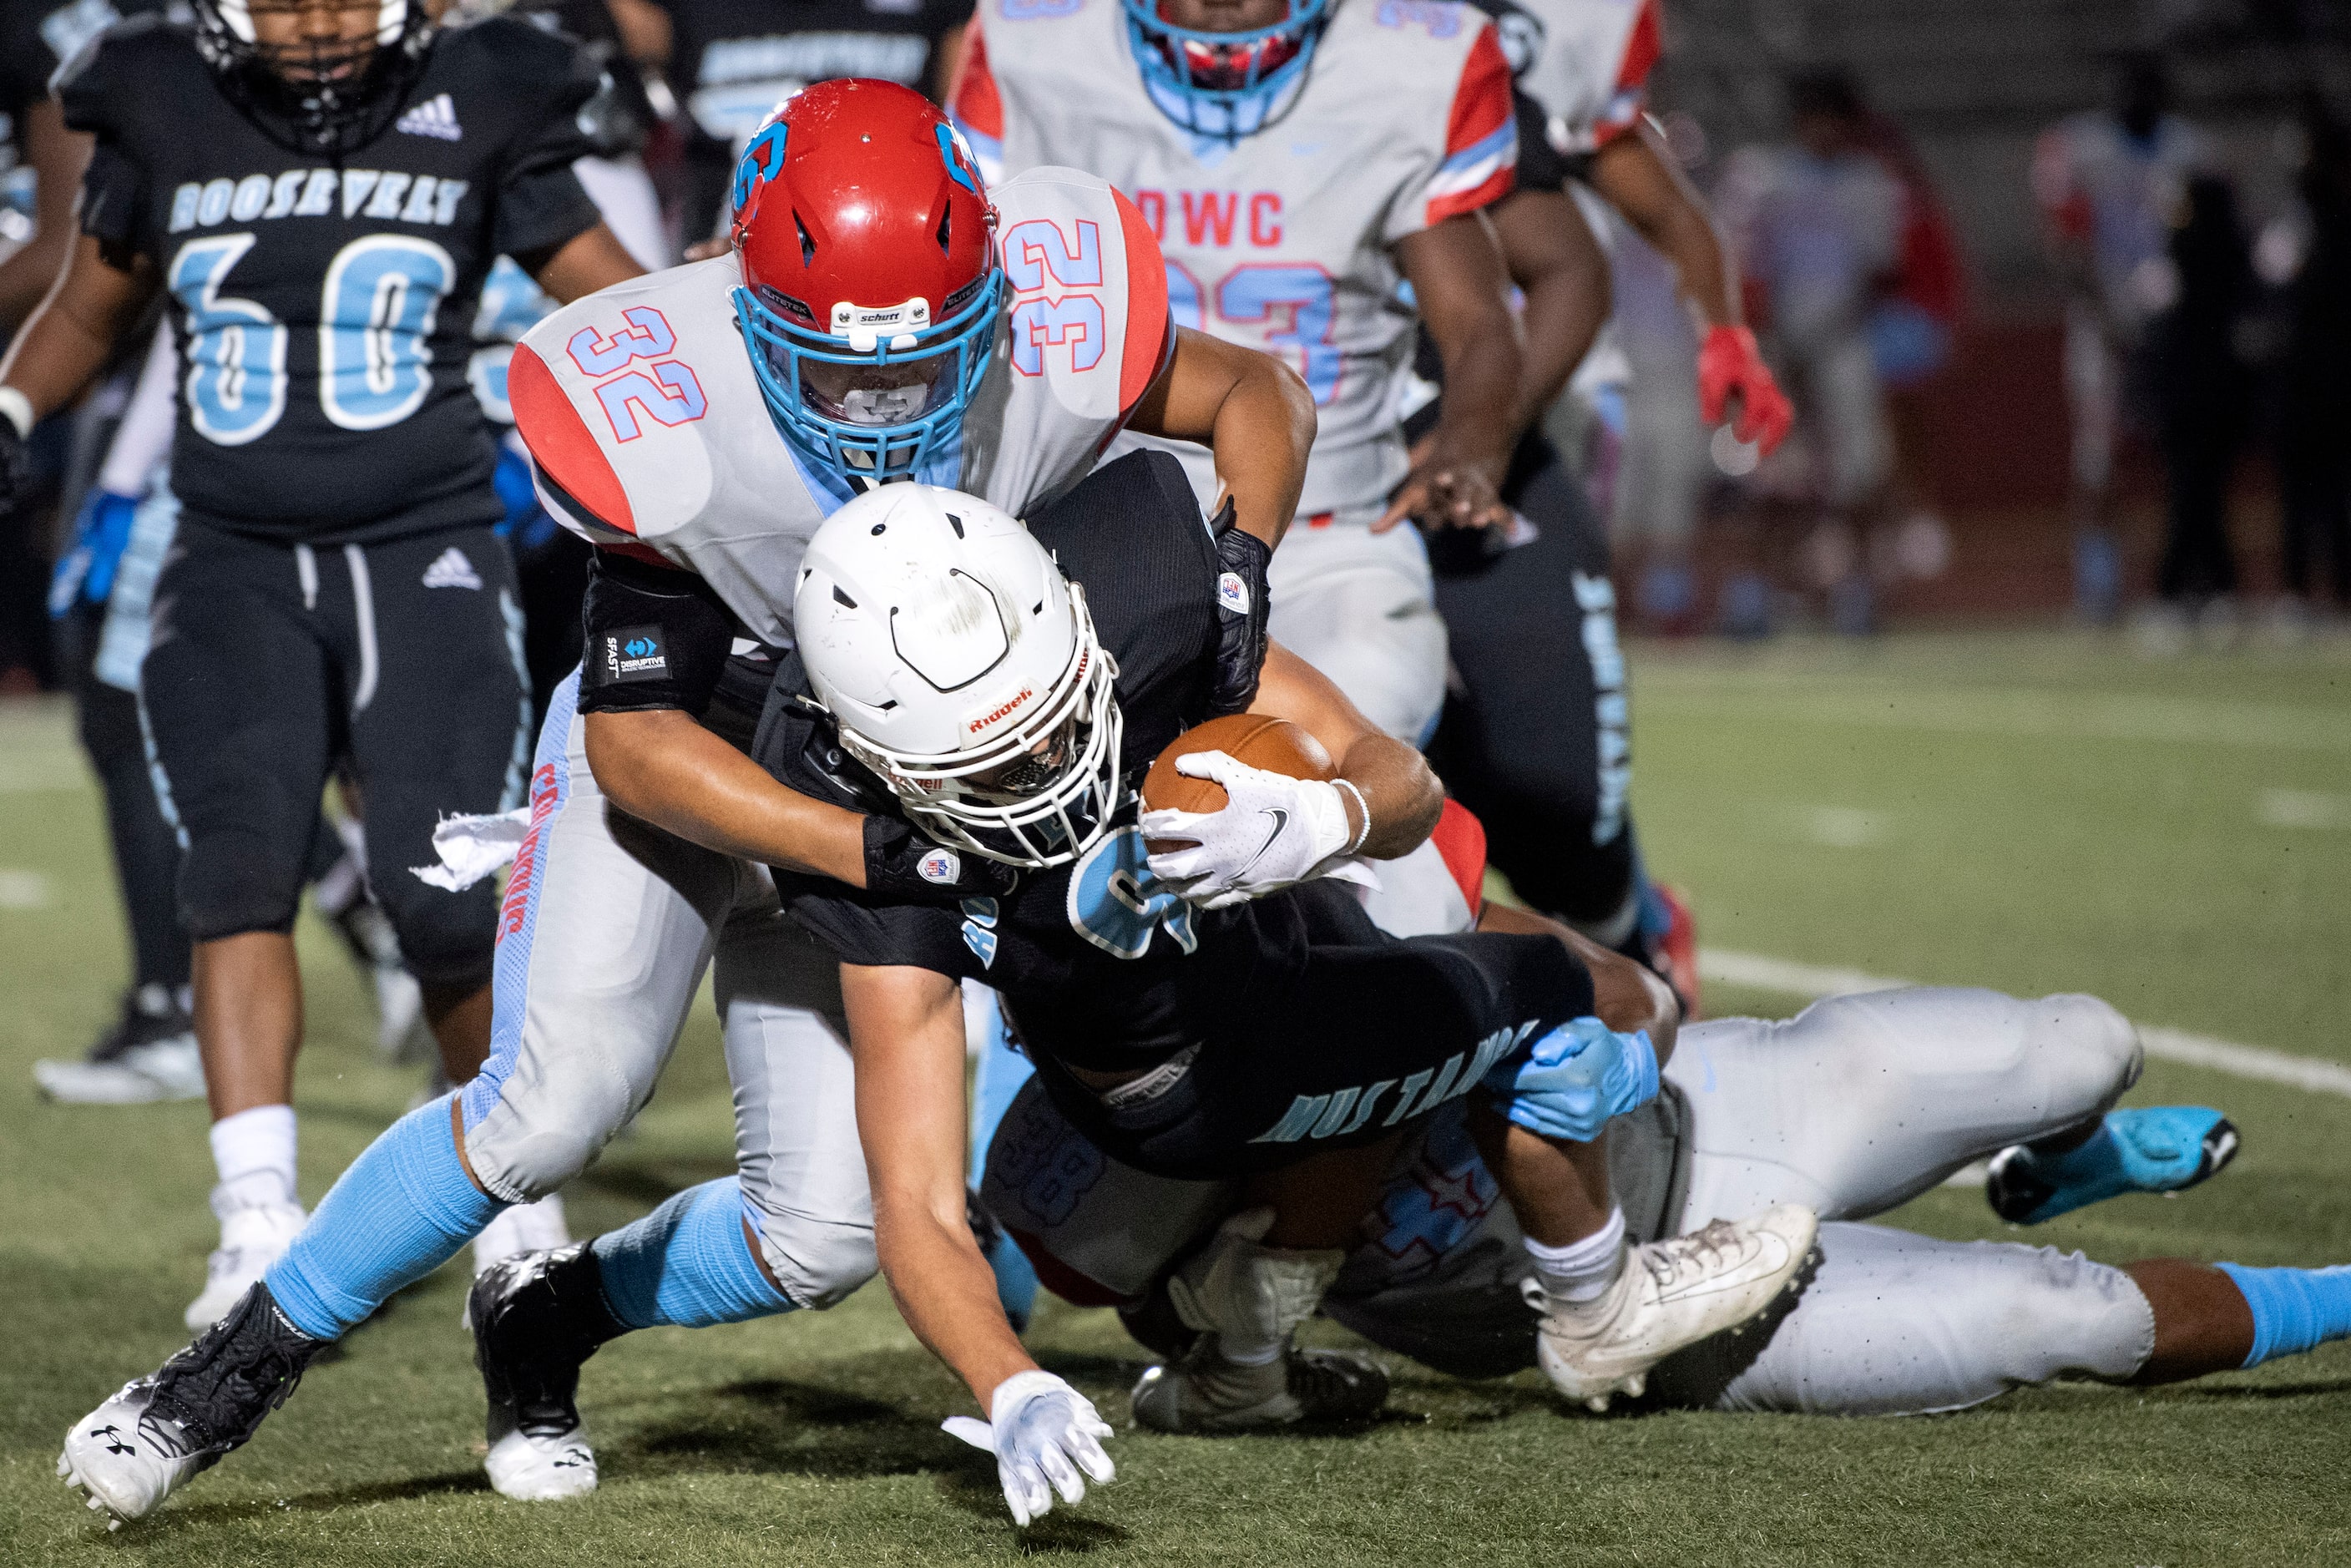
point(1730, 362)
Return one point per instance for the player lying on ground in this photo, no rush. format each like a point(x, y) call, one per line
point(699, 427)
point(1225, 1009)
point(1855, 1107)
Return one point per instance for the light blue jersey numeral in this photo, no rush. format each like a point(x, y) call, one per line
point(1116, 903)
point(382, 297)
point(236, 350)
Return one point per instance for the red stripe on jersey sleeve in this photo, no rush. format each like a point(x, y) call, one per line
point(562, 443)
point(1642, 50)
point(1460, 840)
point(1482, 103)
point(1642, 47)
point(1149, 331)
point(973, 100)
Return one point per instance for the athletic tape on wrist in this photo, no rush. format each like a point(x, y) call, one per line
point(1360, 805)
point(19, 410)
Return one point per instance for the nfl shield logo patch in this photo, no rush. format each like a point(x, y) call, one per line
point(940, 867)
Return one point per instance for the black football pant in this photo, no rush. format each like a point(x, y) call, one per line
point(146, 849)
point(270, 662)
point(1535, 735)
point(1368, 1038)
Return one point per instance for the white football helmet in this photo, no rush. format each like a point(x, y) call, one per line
point(963, 669)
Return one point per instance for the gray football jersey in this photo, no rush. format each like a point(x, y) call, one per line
point(650, 436)
point(1281, 242)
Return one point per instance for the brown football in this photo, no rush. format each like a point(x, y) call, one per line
point(1259, 740)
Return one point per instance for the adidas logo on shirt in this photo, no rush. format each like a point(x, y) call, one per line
point(435, 117)
point(450, 569)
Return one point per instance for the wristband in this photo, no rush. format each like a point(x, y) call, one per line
point(1360, 805)
point(18, 408)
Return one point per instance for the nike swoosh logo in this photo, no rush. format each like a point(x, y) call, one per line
point(1280, 820)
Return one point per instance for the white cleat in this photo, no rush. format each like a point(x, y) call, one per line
point(252, 1238)
point(1671, 1294)
point(168, 1068)
point(542, 1468)
point(401, 1035)
point(125, 1461)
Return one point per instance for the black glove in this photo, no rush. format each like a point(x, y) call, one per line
point(901, 864)
point(1242, 605)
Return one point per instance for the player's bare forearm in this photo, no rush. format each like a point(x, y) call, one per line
point(663, 767)
point(1627, 996)
point(70, 336)
point(1557, 263)
point(1400, 790)
point(592, 259)
point(1458, 276)
point(1637, 177)
point(57, 156)
point(1247, 408)
point(905, 1031)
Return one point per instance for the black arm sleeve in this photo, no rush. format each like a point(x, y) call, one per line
point(541, 204)
point(114, 186)
point(656, 638)
point(883, 935)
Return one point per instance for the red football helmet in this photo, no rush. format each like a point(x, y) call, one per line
point(871, 289)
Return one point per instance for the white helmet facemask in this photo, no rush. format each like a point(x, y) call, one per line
point(963, 669)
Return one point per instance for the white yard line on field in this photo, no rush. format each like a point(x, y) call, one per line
point(1789, 978)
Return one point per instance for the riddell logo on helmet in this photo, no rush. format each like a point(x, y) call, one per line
point(1005, 711)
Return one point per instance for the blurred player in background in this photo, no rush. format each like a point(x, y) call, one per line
point(1536, 735)
point(333, 583)
point(730, 62)
point(699, 427)
point(1819, 224)
point(2107, 183)
point(1296, 164)
point(149, 1051)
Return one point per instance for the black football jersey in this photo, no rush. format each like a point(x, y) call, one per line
point(36, 37)
point(731, 61)
point(324, 310)
point(1100, 964)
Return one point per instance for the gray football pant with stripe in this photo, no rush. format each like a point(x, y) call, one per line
point(609, 926)
point(1856, 1106)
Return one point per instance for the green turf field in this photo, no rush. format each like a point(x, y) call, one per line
point(2033, 811)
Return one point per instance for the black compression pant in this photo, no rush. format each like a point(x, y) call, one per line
point(1535, 736)
point(271, 661)
point(146, 849)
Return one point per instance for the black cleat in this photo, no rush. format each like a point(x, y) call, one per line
point(536, 1318)
point(159, 1432)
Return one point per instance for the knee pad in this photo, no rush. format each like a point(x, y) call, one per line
point(819, 1262)
point(538, 1134)
point(2092, 1044)
point(446, 939)
point(233, 882)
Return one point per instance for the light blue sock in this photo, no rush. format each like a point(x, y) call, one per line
point(2295, 1309)
point(1002, 1073)
point(400, 1211)
point(688, 1263)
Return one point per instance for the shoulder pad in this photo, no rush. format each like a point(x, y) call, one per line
point(103, 76)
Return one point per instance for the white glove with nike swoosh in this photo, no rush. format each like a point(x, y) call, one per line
point(1036, 1426)
point(1275, 832)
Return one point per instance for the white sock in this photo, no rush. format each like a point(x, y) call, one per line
point(254, 1151)
point(1582, 1270)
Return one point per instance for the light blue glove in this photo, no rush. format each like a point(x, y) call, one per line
point(1578, 1076)
point(1038, 1425)
point(86, 570)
